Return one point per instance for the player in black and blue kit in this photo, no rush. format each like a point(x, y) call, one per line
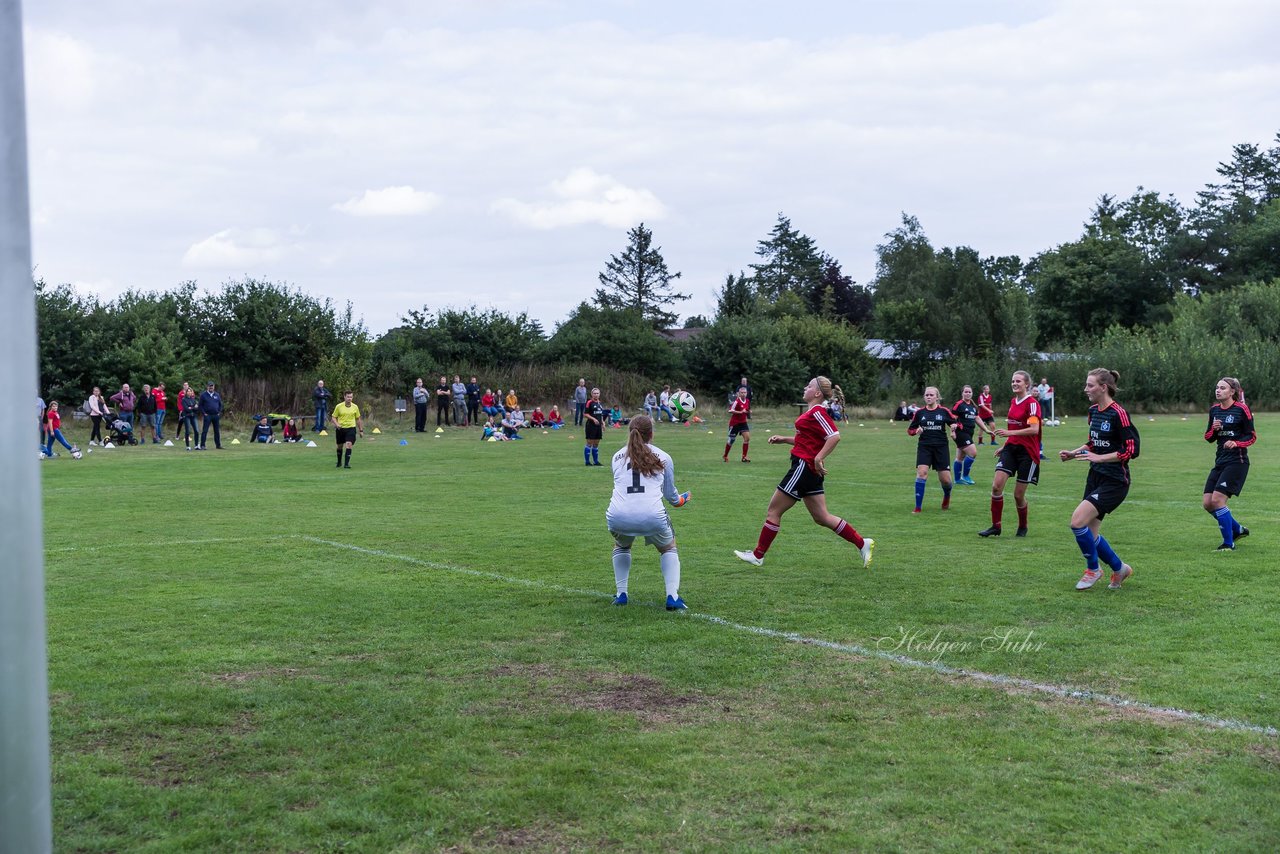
point(966, 412)
point(1112, 443)
point(933, 424)
point(1231, 426)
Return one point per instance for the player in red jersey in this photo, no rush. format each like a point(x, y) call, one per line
point(739, 423)
point(815, 438)
point(987, 414)
point(1020, 455)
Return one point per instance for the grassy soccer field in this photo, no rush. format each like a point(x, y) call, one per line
point(250, 650)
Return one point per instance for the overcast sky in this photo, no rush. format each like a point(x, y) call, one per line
point(401, 153)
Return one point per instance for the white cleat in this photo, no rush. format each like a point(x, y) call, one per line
point(868, 546)
point(750, 557)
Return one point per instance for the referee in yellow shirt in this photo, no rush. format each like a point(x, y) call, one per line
point(346, 419)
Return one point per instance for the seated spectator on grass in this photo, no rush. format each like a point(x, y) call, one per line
point(262, 431)
point(291, 432)
point(510, 429)
point(553, 417)
point(615, 416)
point(537, 419)
point(517, 418)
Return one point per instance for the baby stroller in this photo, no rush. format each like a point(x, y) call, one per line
point(121, 433)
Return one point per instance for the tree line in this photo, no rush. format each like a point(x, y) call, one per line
point(1171, 290)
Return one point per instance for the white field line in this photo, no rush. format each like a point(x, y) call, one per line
point(997, 679)
point(164, 544)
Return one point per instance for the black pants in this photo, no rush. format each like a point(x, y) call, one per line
point(473, 410)
point(216, 422)
point(96, 435)
point(442, 410)
point(420, 417)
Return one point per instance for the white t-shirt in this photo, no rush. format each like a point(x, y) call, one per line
point(636, 505)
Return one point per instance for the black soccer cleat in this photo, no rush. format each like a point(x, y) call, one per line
point(1244, 532)
point(1022, 532)
point(993, 531)
point(1223, 547)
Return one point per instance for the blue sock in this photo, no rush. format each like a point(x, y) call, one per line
point(595, 454)
point(1108, 554)
point(955, 469)
point(1227, 524)
point(968, 464)
point(1088, 546)
point(586, 453)
point(920, 484)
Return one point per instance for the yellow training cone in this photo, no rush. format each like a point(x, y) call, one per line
point(235, 441)
point(439, 429)
point(376, 430)
point(324, 432)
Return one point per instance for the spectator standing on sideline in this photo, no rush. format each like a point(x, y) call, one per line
point(346, 418)
point(443, 392)
point(211, 409)
point(473, 401)
point(459, 389)
point(420, 398)
point(320, 397)
point(161, 406)
point(188, 407)
point(125, 401)
point(98, 410)
point(146, 409)
point(579, 401)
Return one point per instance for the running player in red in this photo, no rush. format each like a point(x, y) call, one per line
point(1231, 426)
point(987, 413)
point(968, 422)
point(739, 423)
point(1020, 455)
point(933, 425)
point(815, 438)
point(1110, 447)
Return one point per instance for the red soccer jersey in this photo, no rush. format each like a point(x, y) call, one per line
point(159, 398)
point(741, 412)
point(1022, 414)
point(812, 430)
point(984, 407)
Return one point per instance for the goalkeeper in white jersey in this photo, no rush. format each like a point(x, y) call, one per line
point(642, 476)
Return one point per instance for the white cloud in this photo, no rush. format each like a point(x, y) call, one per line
point(585, 196)
point(390, 201)
point(237, 248)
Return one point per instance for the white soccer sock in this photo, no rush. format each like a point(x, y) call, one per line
point(621, 568)
point(671, 572)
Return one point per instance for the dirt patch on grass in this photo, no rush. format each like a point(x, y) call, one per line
point(520, 839)
point(241, 676)
point(643, 696)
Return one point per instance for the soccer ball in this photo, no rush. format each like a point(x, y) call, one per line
point(684, 403)
point(75, 455)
